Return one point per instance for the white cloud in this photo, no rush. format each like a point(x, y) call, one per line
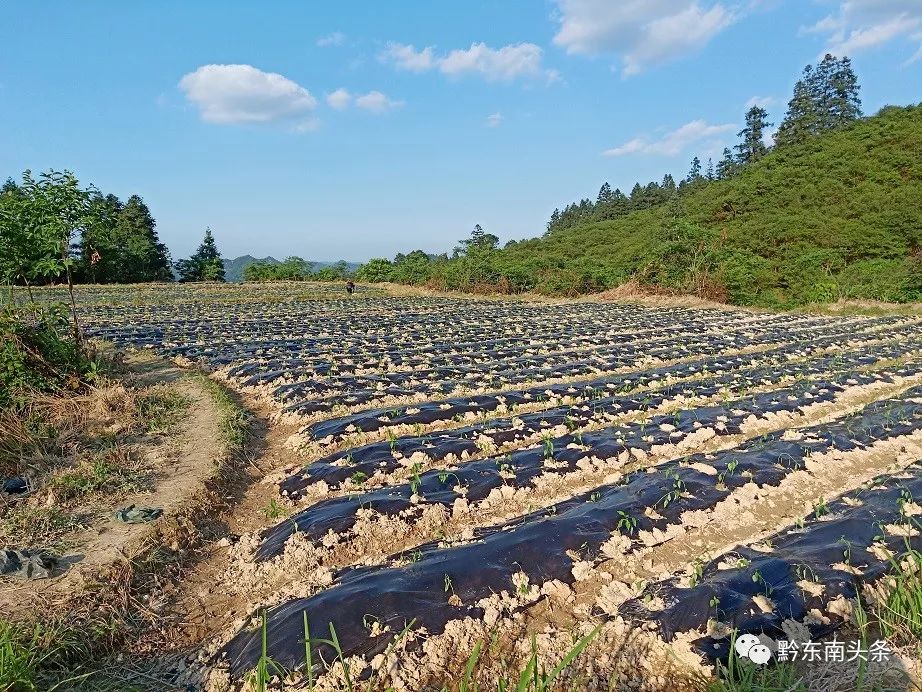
point(672, 143)
point(864, 24)
point(642, 32)
point(406, 57)
point(309, 125)
point(376, 102)
point(244, 94)
point(339, 99)
point(494, 64)
point(337, 38)
point(761, 102)
point(508, 62)
point(495, 120)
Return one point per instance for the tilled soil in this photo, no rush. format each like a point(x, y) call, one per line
point(491, 470)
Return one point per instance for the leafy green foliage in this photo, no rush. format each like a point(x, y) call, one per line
point(294, 269)
point(35, 355)
point(832, 212)
point(50, 227)
point(205, 265)
point(839, 216)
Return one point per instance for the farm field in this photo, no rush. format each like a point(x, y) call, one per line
point(445, 476)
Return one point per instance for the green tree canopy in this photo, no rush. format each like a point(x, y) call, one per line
point(205, 265)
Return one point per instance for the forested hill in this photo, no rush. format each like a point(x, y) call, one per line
point(831, 208)
point(839, 215)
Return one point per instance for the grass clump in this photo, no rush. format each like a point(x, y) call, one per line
point(899, 612)
point(37, 356)
point(161, 408)
point(112, 472)
point(234, 424)
point(37, 526)
point(32, 656)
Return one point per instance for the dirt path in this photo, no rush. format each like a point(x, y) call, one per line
point(180, 466)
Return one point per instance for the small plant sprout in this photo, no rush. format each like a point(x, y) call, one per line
point(697, 571)
point(759, 579)
point(595, 496)
point(273, 510)
point(847, 551)
point(626, 523)
point(415, 481)
point(358, 477)
point(820, 508)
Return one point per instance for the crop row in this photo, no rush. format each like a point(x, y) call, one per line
point(384, 456)
point(549, 544)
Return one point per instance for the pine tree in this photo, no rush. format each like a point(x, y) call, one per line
point(709, 170)
point(802, 119)
point(844, 104)
point(668, 186)
point(753, 146)
point(147, 259)
point(205, 265)
point(727, 166)
point(605, 194)
point(825, 98)
point(694, 174)
point(554, 222)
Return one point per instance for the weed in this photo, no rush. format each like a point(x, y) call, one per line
point(161, 408)
point(900, 611)
point(739, 675)
point(273, 510)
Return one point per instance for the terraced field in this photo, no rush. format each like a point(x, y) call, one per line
point(463, 471)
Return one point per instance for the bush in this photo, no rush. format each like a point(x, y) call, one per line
point(36, 354)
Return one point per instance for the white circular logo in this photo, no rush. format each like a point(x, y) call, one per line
point(744, 643)
point(760, 654)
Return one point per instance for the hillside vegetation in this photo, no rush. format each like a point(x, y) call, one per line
point(831, 209)
point(837, 216)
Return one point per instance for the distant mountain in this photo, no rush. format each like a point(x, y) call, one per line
point(233, 268)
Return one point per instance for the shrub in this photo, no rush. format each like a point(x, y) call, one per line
point(37, 355)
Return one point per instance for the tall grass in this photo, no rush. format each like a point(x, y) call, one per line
point(533, 677)
point(31, 655)
point(900, 611)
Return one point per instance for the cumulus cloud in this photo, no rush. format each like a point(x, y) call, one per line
point(376, 102)
point(337, 38)
point(244, 94)
point(859, 25)
point(494, 64)
point(761, 102)
point(495, 120)
point(406, 57)
point(339, 99)
point(642, 32)
point(672, 143)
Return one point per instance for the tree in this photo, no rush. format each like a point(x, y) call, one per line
point(375, 270)
point(801, 119)
point(480, 241)
point(38, 225)
point(842, 105)
point(727, 166)
point(147, 258)
point(709, 170)
point(753, 146)
point(825, 98)
point(694, 173)
point(205, 265)
point(605, 194)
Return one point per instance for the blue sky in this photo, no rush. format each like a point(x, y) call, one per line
point(350, 130)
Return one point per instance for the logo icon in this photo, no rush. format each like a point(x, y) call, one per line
point(749, 646)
